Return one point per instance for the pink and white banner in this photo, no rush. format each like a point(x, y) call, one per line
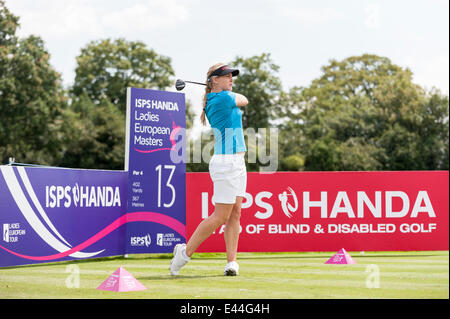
point(327, 211)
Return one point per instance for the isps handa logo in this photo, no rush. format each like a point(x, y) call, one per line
point(285, 201)
point(141, 241)
point(82, 196)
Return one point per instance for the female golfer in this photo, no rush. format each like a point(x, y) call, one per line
point(226, 168)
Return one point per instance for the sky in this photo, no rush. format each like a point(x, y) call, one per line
point(301, 36)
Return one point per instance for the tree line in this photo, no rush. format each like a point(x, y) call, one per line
point(361, 113)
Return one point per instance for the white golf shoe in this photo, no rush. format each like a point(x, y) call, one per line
point(179, 259)
point(231, 269)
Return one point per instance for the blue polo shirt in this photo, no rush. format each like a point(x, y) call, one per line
point(226, 121)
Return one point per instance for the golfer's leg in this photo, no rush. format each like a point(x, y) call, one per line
point(231, 233)
point(208, 226)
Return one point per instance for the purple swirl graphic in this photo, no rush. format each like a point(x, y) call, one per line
point(127, 218)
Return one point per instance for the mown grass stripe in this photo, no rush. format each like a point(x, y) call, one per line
point(272, 275)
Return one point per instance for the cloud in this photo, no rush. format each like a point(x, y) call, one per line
point(56, 19)
point(372, 16)
point(430, 71)
point(151, 15)
point(309, 16)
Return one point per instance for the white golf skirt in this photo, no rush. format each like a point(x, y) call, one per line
point(229, 176)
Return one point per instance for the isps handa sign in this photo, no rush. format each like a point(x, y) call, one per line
point(82, 196)
point(53, 214)
point(325, 211)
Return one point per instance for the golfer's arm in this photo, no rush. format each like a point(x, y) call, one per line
point(241, 100)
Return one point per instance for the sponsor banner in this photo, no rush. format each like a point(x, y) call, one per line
point(51, 214)
point(327, 211)
point(156, 125)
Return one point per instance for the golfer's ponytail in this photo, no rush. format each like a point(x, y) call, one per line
point(208, 89)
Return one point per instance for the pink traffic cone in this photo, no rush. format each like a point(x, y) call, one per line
point(121, 280)
point(341, 257)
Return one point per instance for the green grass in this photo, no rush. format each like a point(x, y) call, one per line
point(262, 276)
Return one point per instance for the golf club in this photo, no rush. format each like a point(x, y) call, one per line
point(180, 84)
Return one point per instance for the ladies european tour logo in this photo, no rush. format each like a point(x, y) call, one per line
point(11, 232)
point(6, 232)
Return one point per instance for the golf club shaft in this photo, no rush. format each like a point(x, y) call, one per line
point(195, 82)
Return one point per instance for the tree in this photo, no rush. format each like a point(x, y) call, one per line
point(31, 96)
point(434, 132)
point(291, 141)
point(258, 81)
point(8, 26)
point(416, 136)
point(105, 68)
point(93, 135)
point(365, 113)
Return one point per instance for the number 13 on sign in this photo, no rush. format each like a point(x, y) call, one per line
point(168, 184)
